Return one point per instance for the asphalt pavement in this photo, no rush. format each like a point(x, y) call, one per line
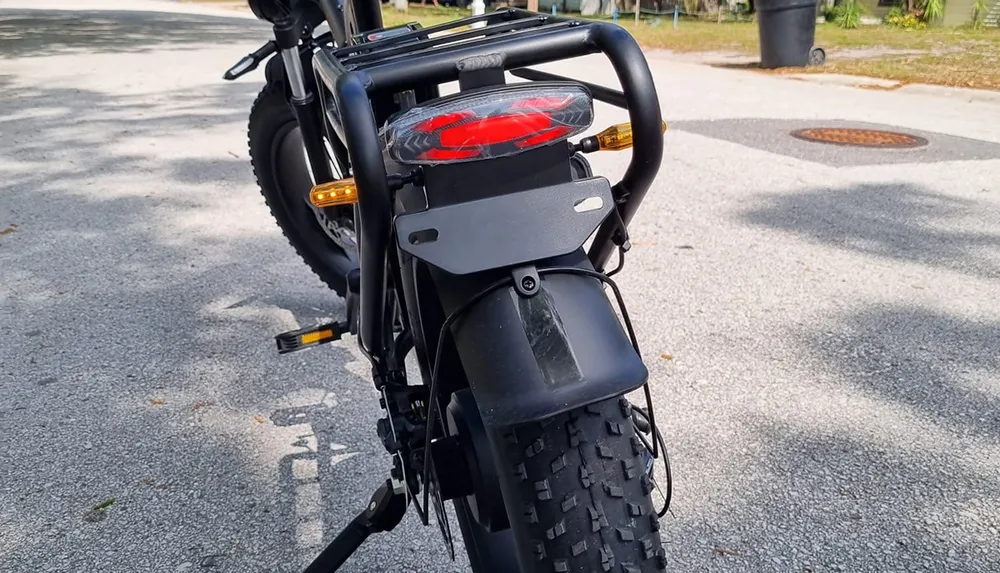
point(821, 323)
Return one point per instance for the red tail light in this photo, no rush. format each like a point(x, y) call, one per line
point(489, 124)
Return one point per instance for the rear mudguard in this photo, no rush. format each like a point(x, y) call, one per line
point(529, 358)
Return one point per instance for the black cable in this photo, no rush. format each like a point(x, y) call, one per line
point(642, 439)
point(666, 468)
point(658, 438)
point(432, 399)
point(621, 263)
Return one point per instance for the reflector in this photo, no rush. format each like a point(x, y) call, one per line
point(489, 123)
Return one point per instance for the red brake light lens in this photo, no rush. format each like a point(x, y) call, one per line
point(489, 124)
point(554, 134)
point(435, 123)
point(494, 129)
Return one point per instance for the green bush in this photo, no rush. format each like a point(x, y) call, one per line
point(897, 18)
point(849, 15)
point(979, 10)
point(933, 9)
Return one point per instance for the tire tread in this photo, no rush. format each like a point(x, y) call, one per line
point(269, 112)
point(590, 509)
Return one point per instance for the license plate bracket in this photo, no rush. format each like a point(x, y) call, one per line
point(507, 230)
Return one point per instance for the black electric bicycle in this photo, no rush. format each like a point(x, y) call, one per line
point(454, 226)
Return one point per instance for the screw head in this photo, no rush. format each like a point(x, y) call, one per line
point(528, 283)
point(372, 505)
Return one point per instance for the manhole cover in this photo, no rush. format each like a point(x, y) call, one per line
point(860, 137)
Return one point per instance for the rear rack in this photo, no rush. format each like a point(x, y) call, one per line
point(495, 23)
point(358, 76)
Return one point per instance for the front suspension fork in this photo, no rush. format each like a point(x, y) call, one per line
point(288, 33)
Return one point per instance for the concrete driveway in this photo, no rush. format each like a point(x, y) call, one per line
point(821, 324)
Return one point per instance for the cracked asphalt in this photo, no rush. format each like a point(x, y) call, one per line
point(821, 324)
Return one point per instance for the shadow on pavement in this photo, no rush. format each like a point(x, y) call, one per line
point(26, 33)
point(942, 366)
point(897, 222)
point(138, 300)
point(873, 448)
point(841, 503)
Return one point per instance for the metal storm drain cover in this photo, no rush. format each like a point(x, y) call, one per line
point(860, 137)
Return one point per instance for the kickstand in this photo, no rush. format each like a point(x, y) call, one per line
point(384, 512)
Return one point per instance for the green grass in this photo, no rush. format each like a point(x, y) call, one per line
point(703, 36)
point(968, 69)
point(951, 56)
point(427, 15)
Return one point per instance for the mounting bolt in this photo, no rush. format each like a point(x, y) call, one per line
point(372, 505)
point(525, 280)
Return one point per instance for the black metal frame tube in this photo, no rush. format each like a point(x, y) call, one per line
point(490, 18)
point(335, 19)
point(600, 93)
point(548, 43)
point(353, 90)
point(362, 16)
point(647, 135)
point(374, 206)
point(403, 50)
point(309, 119)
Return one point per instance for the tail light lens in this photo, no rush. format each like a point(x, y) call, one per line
point(489, 124)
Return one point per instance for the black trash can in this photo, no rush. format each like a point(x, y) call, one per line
point(787, 32)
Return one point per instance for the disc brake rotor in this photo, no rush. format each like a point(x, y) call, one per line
point(340, 230)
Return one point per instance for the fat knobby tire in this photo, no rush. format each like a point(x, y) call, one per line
point(268, 116)
point(578, 485)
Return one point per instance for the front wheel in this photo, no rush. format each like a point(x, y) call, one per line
point(279, 162)
point(577, 493)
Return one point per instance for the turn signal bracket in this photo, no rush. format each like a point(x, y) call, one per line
point(614, 138)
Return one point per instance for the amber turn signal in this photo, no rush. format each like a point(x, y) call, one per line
point(618, 137)
point(342, 192)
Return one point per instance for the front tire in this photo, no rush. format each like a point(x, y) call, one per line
point(278, 159)
point(577, 493)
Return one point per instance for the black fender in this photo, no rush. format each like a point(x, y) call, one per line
point(529, 358)
point(274, 71)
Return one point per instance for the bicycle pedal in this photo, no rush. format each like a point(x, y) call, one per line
point(308, 337)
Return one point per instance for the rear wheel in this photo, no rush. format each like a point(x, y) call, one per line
point(577, 493)
point(279, 163)
point(489, 552)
